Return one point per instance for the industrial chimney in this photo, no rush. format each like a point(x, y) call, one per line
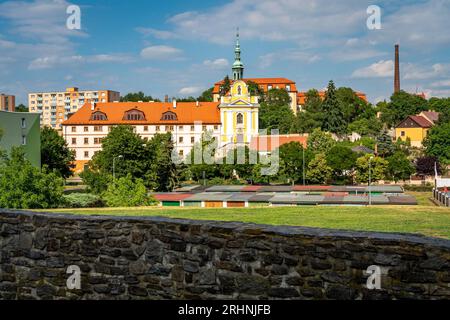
point(397, 70)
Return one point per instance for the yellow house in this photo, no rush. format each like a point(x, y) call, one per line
point(415, 128)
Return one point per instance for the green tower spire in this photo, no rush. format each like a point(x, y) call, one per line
point(238, 67)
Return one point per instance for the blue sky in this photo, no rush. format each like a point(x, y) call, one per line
point(180, 48)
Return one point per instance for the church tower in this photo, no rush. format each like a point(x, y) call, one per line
point(238, 67)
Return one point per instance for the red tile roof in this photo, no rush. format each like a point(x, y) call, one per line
point(270, 143)
point(421, 121)
point(186, 112)
point(263, 82)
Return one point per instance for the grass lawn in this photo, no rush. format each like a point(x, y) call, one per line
point(424, 219)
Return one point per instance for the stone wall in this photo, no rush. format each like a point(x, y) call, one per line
point(157, 258)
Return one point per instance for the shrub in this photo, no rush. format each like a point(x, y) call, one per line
point(83, 200)
point(96, 182)
point(126, 192)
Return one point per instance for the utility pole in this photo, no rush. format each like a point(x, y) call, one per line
point(370, 190)
point(114, 165)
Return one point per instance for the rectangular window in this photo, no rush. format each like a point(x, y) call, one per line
point(86, 129)
point(181, 153)
point(180, 139)
point(216, 127)
point(145, 128)
point(181, 128)
point(192, 140)
point(86, 154)
point(24, 123)
point(74, 129)
point(98, 128)
point(86, 140)
point(288, 88)
point(74, 140)
point(402, 133)
point(192, 128)
point(157, 129)
point(24, 140)
point(204, 128)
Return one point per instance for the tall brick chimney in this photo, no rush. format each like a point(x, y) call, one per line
point(397, 70)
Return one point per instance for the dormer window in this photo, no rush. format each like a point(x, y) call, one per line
point(98, 116)
point(169, 116)
point(134, 115)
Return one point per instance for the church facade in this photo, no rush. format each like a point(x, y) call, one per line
point(232, 122)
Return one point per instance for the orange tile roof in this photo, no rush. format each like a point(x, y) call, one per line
point(187, 113)
point(264, 82)
point(431, 116)
point(270, 143)
point(301, 96)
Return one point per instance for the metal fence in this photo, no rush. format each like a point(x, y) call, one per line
point(442, 197)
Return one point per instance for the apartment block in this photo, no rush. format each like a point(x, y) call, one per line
point(7, 102)
point(56, 107)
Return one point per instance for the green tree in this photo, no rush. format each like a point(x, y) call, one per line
point(275, 111)
point(402, 104)
point(137, 96)
point(238, 161)
point(350, 104)
point(21, 108)
point(437, 142)
point(399, 167)
point(127, 192)
point(97, 182)
point(378, 168)
point(341, 159)
point(334, 118)
point(366, 127)
point(22, 186)
point(206, 96)
point(162, 168)
point(225, 87)
point(320, 142)
point(200, 161)
point(55, 154)
point(149, 160)
point(318, 169)
point(255, 89)
point(385, 145)
point(292, 157)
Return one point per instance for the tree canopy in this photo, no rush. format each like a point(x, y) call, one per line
point(55, 154)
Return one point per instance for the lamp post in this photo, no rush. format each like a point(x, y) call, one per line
point(370, 191)
point(114, 165)
point(303, 164)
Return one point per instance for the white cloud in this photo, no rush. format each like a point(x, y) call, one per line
point(267, 60)
point(159, 34)
point(161, 52)
point(441, 83)
point(380, 69)
point(190, 90)
point(42, 20)
point(417, 72)
point(57, 61)
point(298, 20)
point(217, 64)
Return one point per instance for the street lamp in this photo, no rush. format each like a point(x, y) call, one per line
point(114, 165)
point(303, 164)
point(370, 191)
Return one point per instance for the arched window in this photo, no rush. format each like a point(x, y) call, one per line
point(240, 118)
point(98, 116)
point(134, 115)
point(169, 116)
point(239, 90)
